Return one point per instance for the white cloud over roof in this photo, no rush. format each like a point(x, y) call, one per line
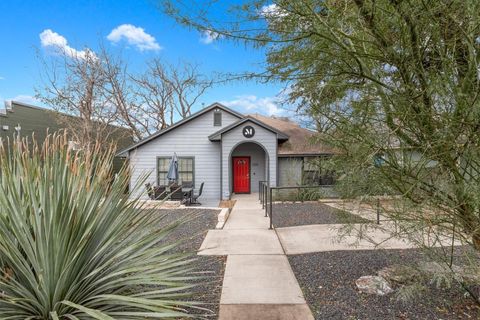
point(252, 103)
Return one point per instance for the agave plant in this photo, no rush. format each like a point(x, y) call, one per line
point(73, 246)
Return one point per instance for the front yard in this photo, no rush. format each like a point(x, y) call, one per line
point(307, 213)
point(191, 234)
point(328, 279)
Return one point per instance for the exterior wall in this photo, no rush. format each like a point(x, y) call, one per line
point(37, 123)
point(187, 140)
point(257, 162)
point(290, 171)
point(31, 120)
point(233, 138)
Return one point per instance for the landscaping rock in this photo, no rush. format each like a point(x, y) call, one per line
point(307, 213)
point(373, 285)
point(400, 274)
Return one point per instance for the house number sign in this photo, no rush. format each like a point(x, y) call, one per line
point(248, 132)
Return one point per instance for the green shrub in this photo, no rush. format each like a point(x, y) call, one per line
point(73, 246)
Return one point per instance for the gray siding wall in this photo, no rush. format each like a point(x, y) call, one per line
point(188, 140)
point(290, 171)
point(233, 138)
point(257, 162)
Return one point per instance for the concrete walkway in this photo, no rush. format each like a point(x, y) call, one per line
point(325, 237)
point(259, 282)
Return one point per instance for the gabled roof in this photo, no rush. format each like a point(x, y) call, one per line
point(301, 142)
point(217, 136)
point(157, 134)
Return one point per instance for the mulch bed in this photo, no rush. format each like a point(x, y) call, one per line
point(328, 283)
point(191, 234)
point(299, 214)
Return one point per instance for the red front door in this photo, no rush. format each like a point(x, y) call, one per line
point(241, 174)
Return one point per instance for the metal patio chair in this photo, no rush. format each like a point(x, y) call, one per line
point(196, 196)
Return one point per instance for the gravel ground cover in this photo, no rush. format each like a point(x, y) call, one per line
point(328, 283)
point(192, 233)
point(299, 214)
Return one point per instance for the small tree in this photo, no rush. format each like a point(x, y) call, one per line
point(396, 82)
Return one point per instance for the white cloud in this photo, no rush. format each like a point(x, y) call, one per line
point(26, 99)
point(57, 42)
point(272, 11)
point(208, 36)
point(134, 36)
point(252, 103)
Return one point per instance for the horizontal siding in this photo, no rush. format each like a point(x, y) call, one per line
point(187, 140)
point(233, 138)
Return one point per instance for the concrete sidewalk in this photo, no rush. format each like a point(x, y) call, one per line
point(325, 237)
point(259, 282)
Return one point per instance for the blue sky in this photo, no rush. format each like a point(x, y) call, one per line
point(86, 23)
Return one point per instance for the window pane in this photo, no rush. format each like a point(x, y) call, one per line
point(163, 164)
point(185, 169)
point(162, 178)
point(181, 164)
point(185, 164)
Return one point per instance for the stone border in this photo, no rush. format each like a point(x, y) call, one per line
point(160, 204)
point(223, 217)
point(306, 201)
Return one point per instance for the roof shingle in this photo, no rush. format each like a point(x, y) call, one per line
point(301, 141)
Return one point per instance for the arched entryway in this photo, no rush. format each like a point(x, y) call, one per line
point(249, 164)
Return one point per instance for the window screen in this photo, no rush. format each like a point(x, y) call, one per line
point(186, 169)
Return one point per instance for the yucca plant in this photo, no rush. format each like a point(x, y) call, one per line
point(73, 246)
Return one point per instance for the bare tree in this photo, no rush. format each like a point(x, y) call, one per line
point(74, 85)
point(188, 86)
point(99, 90)
point(170, 91)
point(156, 98)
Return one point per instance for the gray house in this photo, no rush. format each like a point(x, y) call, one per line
point(229, 152)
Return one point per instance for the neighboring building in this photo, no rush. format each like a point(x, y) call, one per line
point(228, 151)
point(18, 119)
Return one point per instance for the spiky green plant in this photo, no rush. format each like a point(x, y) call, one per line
point(73, 246)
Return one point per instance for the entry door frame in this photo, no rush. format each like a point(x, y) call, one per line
point(249, 174)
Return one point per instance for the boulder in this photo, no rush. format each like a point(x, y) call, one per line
point(373, 285)
point(400, 274)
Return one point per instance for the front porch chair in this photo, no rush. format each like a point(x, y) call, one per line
point(196, 196)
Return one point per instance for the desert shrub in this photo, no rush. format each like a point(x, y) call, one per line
point(73, 246)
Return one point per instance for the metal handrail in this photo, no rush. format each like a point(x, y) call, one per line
point(266, 197)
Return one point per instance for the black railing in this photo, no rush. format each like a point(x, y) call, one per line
point(266, 196)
